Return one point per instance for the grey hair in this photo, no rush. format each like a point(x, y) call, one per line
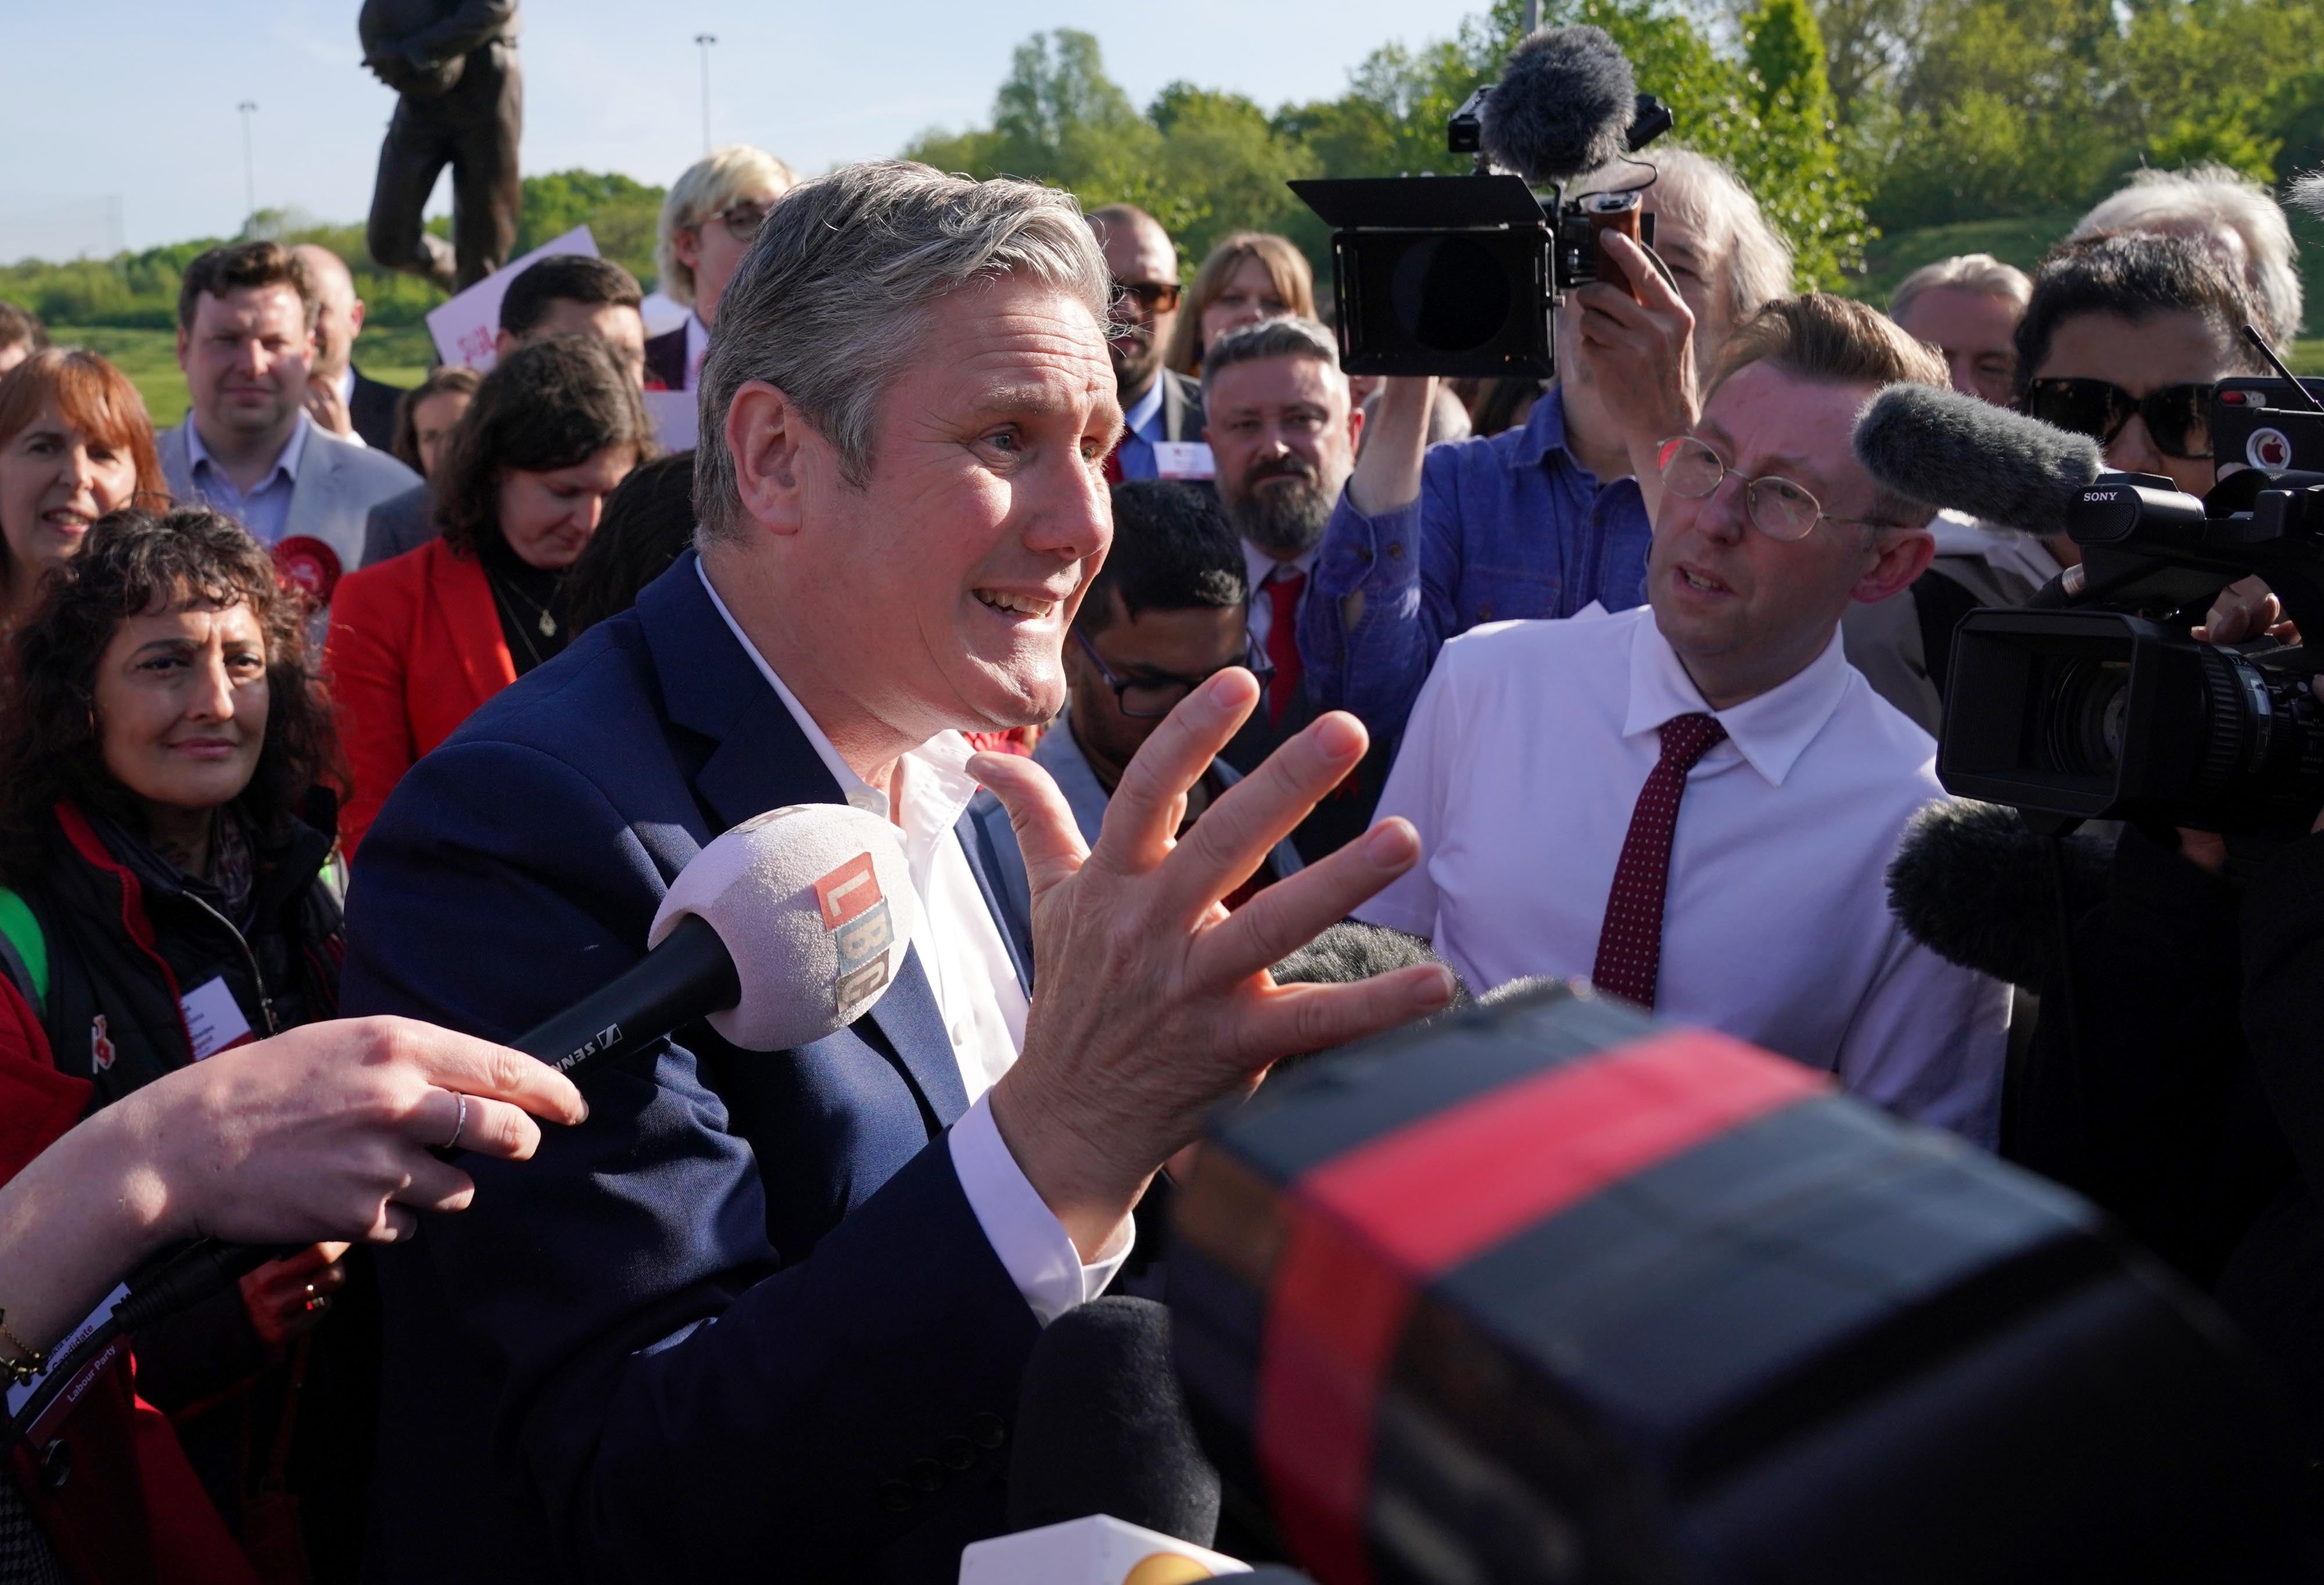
point(2215, 198)
point(832, 301)
point(1978, 273)
point(1285, 337)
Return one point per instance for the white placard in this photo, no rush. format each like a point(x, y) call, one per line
point(466, 328)
point(1184, 459)
point(675, 415)
point(213, 1017)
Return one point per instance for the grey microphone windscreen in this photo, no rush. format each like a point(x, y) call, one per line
point(1973, 883)
point(815, 902)
point(1956, 453)
point(1563, 107)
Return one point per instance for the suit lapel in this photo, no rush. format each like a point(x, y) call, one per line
point(1016, 933)
point(763, 761)
point(458, 586)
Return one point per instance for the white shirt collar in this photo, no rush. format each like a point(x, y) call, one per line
point(1259, 566)
point(697, 346)
point(347, 383)
point(1771, 731)
point(933, 779)
point(1145, 410)
point(286, 462)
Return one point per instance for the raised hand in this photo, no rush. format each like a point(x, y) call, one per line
point(1152, 1003)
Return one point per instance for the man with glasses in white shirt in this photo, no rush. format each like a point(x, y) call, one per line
point(1693, 804)
point(707, 221)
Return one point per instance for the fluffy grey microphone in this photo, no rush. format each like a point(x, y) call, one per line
point(1563, 107)
point(1954, 452)
point(1972, 883)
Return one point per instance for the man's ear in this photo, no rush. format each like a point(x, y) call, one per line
point(185, 340)
point(504, 344)
point(1904, 555)
point(769, 440)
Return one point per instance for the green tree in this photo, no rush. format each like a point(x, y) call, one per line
point(622, 216)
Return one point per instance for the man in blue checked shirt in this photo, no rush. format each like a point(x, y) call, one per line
point(1544, 519)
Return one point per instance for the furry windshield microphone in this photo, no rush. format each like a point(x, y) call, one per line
point(1956, 453)
point(1972, 883)
point(1563, 107)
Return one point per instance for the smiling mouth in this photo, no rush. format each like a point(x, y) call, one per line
point(1708, 585)
point(67, 519)
point(1016, 604)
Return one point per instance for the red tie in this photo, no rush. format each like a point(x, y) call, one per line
point(1630, 941)
point(1283, 591)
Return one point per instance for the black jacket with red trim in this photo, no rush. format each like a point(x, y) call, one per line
point(126, 937)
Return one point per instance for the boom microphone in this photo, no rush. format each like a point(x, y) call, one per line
point(1101, 1427)
point(1563, 107)
point(1954, 452)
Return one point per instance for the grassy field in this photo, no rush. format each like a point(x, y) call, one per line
point(398, 354)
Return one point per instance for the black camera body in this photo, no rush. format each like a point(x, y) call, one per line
point(2099, 704)
point(1459, 275)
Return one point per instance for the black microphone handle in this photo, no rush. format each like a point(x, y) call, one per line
point(689, 975)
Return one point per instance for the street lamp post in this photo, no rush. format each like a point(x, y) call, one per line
point(249, 167)
point(705, 40)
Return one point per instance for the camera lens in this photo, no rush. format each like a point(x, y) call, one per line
point(1449, 293)
point(2088, 713)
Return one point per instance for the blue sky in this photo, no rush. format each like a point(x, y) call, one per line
point(136, 99)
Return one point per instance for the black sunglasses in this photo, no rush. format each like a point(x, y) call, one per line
point(2178, 417)
point(1150, 698)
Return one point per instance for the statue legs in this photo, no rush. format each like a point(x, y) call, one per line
point(473, 129)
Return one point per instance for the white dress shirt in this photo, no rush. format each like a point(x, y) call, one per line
point(346, 386)
point(1260, 568)
point(1521, 767)
point(264, 509)
point(977, 994)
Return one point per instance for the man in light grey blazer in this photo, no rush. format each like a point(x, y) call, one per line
point(245, 341)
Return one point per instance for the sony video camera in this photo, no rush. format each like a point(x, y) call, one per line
point(1458, 275)
point(2099, 705)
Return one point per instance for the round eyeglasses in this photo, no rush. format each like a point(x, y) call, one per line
point(1777, 507)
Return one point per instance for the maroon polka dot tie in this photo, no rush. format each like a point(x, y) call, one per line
point(1630, 941)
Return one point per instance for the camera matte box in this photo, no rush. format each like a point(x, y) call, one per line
point(1546, 1292)
point(1448, 275)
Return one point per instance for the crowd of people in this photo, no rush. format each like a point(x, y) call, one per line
point(345, 729)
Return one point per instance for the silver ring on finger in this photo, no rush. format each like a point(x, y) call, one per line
point(459, 1123)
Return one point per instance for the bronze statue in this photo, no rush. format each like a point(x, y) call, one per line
point(462, 104)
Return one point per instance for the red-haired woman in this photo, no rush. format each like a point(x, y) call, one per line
point(75, 444)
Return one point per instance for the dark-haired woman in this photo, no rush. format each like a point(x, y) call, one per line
point(165, 842)
point(420, 641)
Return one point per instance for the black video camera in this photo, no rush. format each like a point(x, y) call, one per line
point(1457, 275)
point(2099, 704)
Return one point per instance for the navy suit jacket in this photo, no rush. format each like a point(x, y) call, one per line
point(740, 1323)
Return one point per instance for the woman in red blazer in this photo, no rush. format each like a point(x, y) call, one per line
point(418, 641)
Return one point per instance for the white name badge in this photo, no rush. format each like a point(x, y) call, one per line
point(1184, 459)
point(214, 1018)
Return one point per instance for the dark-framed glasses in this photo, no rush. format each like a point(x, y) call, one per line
point(1153, 296)
point(1779, 508)
point(742, 220)
point(2178, 417)
point(1153, 696)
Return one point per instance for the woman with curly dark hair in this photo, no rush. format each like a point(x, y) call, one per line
point(165, 844)
point(418, 641)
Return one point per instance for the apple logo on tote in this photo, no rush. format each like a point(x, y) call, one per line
point(2270, 449)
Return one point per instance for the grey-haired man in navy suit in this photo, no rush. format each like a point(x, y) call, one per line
point(766, 1315)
